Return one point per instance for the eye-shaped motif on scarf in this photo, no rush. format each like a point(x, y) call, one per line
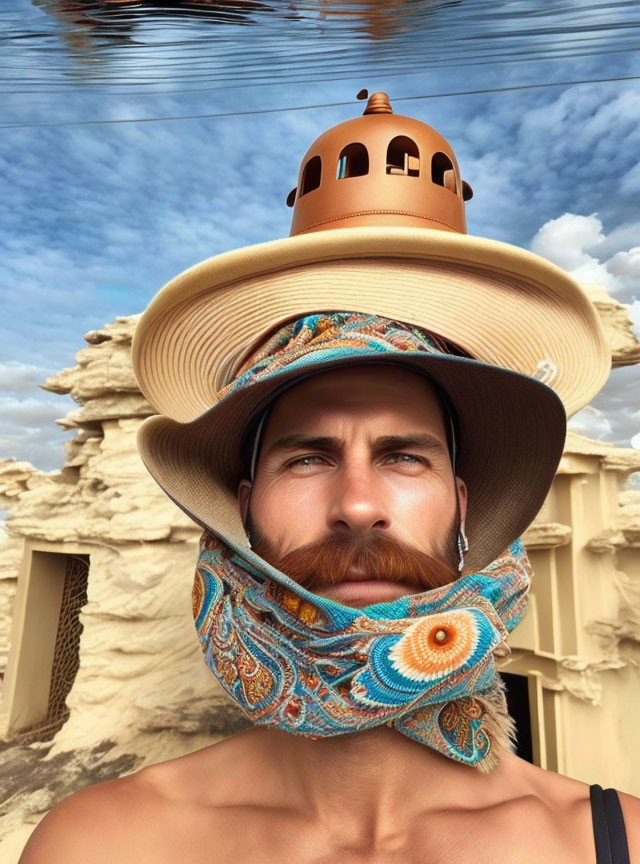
point(436, 645)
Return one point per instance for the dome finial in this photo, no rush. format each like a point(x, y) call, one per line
point(378, 104)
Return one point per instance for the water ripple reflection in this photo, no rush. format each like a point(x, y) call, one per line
point(201, 44)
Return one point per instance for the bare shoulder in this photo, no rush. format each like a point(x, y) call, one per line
point(145, 816)
point(100, 823)
point(630, 805)
point(572, 801)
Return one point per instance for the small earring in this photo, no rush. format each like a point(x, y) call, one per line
point(249, 540)
point(463, 546)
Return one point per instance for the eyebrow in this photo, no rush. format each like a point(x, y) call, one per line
point(385, 442)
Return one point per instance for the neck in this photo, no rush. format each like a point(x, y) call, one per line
point(377, 779)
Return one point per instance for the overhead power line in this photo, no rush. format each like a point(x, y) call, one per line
point(171, 119)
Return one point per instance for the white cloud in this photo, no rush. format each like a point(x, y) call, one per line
point(28, 412)
point(28, 430)
point(618, 403)
point(569, 242)
point(18, 377)
point(625, 266)
point(591, 423)
point(563, 240)
point(42, 447)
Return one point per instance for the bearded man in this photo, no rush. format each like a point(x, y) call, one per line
point(363, 418)
point(359, 479)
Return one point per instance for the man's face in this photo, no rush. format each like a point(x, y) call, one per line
point(354, 495)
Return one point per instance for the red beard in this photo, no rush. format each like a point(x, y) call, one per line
point(327, 562)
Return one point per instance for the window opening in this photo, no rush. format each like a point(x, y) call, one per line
point(403, 157)
point(311, 175)
point(353, 161)
point(442, 172)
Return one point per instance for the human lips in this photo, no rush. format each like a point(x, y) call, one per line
point(358, 588)
point(357, 576)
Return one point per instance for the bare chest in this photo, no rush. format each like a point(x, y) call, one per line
point(242, 836)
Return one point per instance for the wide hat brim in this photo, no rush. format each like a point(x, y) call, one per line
point(499, 303)
point(511, 434)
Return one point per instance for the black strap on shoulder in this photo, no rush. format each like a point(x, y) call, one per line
point(608, 826)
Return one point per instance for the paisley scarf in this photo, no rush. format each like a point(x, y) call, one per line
point(423, 663)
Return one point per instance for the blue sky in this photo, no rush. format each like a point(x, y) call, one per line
point(96, 218)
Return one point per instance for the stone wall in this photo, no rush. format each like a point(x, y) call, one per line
point(142, 693)
point(579, 643)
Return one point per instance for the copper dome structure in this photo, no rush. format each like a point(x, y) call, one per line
point(379, 169)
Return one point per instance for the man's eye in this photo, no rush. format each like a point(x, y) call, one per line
point(408, 458)
point(306, 462)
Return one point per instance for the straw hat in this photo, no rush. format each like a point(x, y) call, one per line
point(387, 238)
point(378, 228)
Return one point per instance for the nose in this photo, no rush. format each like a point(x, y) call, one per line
point(357, 503)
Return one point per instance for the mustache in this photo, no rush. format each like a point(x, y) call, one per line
point(327, 562)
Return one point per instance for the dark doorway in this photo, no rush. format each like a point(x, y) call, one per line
point(71, 574)
point(519, 709)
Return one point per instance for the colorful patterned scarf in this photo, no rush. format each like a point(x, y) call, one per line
point(423, 664)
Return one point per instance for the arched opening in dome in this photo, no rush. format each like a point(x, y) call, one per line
point(311, 175)
point(403, 157)
point(353, 161)
point(442, 172)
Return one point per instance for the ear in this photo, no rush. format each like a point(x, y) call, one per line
point(244, 492)
point(461, 488)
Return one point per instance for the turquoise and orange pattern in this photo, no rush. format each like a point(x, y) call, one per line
point(332, 334)
point(424, 663)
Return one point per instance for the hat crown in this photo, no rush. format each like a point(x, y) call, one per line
point(379, 169)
